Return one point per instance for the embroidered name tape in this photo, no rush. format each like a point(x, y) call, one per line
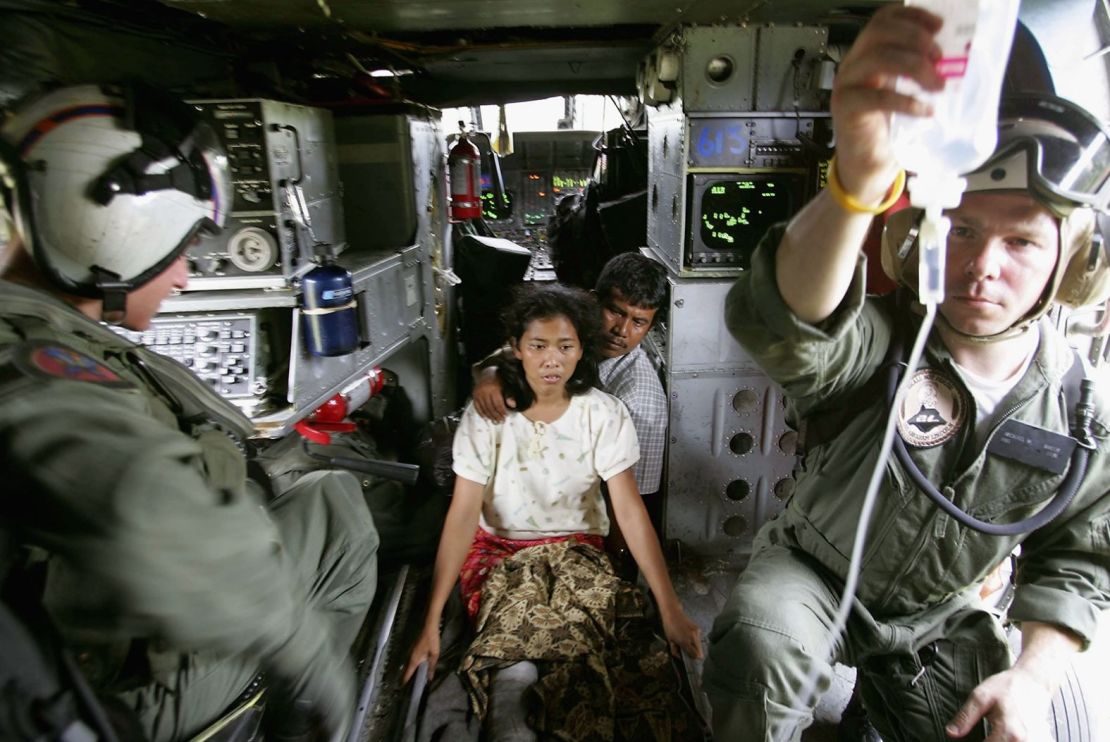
point(1037, 447)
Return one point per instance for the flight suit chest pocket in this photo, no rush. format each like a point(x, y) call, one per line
point(224, 464)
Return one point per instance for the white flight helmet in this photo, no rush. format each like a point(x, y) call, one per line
point(106, 187)
point(1059, 154)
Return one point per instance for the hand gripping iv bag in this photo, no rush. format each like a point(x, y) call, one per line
point(961, 134)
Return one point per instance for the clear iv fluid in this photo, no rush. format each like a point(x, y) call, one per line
point(959, 136)
point(933, 149)
point(975, 41)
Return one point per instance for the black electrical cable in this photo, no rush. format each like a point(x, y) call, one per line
point(1063, 498)
point(393, 470)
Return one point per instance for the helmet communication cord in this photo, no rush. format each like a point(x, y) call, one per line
point(898, 382)
point(1081, 430)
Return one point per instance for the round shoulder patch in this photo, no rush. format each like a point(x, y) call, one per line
point(44, 359)
point(933, 411)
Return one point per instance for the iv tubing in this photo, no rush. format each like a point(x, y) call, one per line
point(850, 582)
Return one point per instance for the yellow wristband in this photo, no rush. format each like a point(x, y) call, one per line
point(852, 204)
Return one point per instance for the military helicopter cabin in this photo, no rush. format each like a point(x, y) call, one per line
point(599, 127)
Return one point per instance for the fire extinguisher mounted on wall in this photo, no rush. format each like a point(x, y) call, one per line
point(464, 171)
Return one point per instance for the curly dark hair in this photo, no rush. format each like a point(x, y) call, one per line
point(538, 301)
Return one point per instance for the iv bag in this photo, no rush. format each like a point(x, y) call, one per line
point(975, 41)
point(961, 134)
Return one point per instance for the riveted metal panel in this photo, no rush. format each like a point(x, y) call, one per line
point(718, 65)
point(391, 298)
point(697, 339)
point(433, 230)
point(786, 67)
point(729, 461)
point(666, 185)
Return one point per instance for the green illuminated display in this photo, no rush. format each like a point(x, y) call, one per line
point(568, 182)
point(735, 213)
point(542, 191)
point(492, 210)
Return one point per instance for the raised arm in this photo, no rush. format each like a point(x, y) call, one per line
point(818, 253)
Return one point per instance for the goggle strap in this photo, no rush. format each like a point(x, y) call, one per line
point(129, 175)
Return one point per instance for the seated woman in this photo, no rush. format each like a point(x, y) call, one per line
point(525, 530)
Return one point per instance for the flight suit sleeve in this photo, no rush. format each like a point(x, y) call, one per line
point(1063, 572)
point(144, 546)
point(810, 362)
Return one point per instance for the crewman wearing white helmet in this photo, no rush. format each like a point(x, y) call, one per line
point(168, 572)
point(1001, 442)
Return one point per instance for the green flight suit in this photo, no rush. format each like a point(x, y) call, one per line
point(167, 571)
point(920, 568)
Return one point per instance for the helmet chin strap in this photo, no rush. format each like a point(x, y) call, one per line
point(114, 295)
point(1017, 329)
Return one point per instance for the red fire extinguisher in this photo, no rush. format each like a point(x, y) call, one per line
point(331, 417)
point(464, 170)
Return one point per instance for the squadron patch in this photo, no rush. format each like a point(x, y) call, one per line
point(50, 360)
point(933, 411)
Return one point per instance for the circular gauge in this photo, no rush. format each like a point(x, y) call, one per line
point(252, 250)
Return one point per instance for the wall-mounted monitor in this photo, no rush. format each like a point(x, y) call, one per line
point(731, 211)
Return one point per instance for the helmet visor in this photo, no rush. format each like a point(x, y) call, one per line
point(1067, 150)
point(208, 159)
point(185, 133)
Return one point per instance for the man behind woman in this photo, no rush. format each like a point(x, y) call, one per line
point(525, 528)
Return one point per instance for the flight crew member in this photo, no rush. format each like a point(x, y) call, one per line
point(632, 291)
point(166, 570)
point(932, 662)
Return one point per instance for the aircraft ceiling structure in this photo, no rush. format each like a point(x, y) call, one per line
point(456, 52)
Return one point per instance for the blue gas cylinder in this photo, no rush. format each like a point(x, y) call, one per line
point(328, 308)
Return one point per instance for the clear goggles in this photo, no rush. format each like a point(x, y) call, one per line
point(1051, 147)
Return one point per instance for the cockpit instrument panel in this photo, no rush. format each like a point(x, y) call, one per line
point(544, 168)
